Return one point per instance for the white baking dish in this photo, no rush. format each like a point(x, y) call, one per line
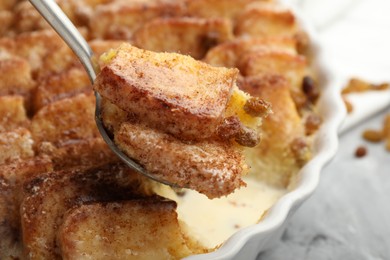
point(248, 242)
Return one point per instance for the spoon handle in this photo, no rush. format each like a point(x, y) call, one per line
point(68, 32)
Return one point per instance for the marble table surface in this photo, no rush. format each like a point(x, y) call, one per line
point(348, 216)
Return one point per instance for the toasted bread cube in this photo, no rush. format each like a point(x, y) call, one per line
point(173, 92)
point(190, 36)
point(128, 228)
point(59, 86)
point(33, 46)
point(229, 54)
point(49, 196)
point(12, 113)
point(27, 18)
point(16, 144)
point(15, 76)
point(266, 19)
point(212, 168)
point(7, 4)
point(65, 120)
point(120, 19)
point(10, 243)
point(269, 61)
point(216, 8)
point(273, 160)
point(5, 21)
point(83, 153)
point(12, 177)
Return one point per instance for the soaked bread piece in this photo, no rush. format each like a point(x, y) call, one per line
point(120, 19)
point(12, 113)
point(216, 8)
point(12, 177)
point(27, 18)
point(173, 92)
point(5, 21)
point(65, 120)
point(212, 168)
point(268, 62)
point(266, 19)
point(33, 46)
point(190, 36)
point(135, 229)
point(7, 4)
point(49, 196)
point(15, 76)
point(15, 144)
point(10, 242)
point(59, 86)
point(64, 59)
point(230, 53)
point(90, 152)
point(274, 160)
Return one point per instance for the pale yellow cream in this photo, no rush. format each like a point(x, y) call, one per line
point(211, 222)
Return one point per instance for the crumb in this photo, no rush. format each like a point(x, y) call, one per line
point(357, 85)
point(236, 226)
point(348, 105)
point(373, 136)
point(361, 151)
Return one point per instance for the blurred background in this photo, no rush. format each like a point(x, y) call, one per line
point(348, 217)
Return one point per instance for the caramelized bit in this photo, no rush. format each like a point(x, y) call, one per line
point(301, 151)
point(312, 123)
point(310, 88)
point(243, 135)
point(361, 151)
point(373, 136)
point(348, 105)
point(257, 107)
point(303, 42)
point(248, 137)
point(358, 85)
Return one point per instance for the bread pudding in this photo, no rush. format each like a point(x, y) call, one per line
point(65, 195)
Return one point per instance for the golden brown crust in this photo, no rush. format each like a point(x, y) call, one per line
point(268, 62)
point(33, 46)
point(65, 120)
point(15, 76)
point(189, 36)
point(266, 19)
point(12, 113)
point(136, 229)
point(10, 242)
point(212, 168)
point(15, 144)
point(172, 92)
point(78, 153)
point(216, 8)
point(59, 86)
point(120, 19)
point(12, 176)
point(230, 53)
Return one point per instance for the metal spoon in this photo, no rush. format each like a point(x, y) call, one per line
point(68, 32)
